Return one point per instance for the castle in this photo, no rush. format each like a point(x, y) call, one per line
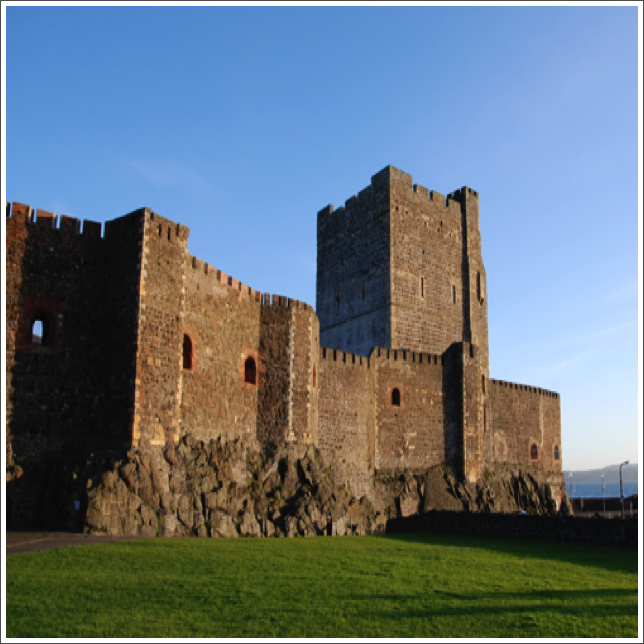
point(120, 338)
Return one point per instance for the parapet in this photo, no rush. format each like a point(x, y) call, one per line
point(526, 388)
point(43, 219)
point(399, 182)
point(237, 287)
point(404, 355)
point(335, 355)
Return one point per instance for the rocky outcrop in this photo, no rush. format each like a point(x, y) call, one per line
point(225, 489)
point(503, 491)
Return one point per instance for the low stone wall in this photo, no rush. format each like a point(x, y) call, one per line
point(611, 504)
point(594, 531)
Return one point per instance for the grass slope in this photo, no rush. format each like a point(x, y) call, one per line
point(388, 586)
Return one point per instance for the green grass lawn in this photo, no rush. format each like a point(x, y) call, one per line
point(387, 586)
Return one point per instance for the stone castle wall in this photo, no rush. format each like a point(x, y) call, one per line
point(146, 344)
point(76, 385)
point(521, 417)
point(354, 275)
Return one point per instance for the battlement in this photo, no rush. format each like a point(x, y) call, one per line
point(334, 355)
point(399, 181)
point(264, 299)
point(527, 388)
point(43, 219)
point(404, 355)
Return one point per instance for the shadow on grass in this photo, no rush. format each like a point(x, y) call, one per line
point(606, 557)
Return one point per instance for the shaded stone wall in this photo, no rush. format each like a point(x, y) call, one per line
point(599, 532)
point(473, 412)
point(520, 417)
point(353, 270)
point(74, 388)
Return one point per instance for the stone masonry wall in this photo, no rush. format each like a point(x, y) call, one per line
point(75, 388)
point(353, 270)
point(305, 333)
point(411, 434)
point(473, 412)
point(346, 417)
point(427, 245)
point(222, 322)
point(520, 417)
point(160, 334)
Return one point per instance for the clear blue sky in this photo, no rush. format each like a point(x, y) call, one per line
point(242, 123)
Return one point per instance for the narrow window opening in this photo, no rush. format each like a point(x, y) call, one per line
point(453, 295)
point(556, 452)
point(160, 230)
point(315, 380)
point(534, 452)
point(395, 397)
point(187, 353)
point(38, 332)
point(169, 234)
point(483, 384)
point(478, 286)
point(250, 371)
point(422, 287)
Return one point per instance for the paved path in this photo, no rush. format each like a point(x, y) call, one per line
point(30, 541)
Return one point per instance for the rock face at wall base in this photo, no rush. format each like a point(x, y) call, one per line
point(225, 489)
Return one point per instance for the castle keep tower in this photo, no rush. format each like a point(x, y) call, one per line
point(401, 267)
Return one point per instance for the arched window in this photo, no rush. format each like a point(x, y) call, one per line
point(37, 332)
point(250, 371)
point(41, 330)
point(187, 353)
point(534, 452)
point(395, 397)
point(556, 452)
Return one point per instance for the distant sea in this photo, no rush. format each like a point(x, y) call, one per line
point(594, 490)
